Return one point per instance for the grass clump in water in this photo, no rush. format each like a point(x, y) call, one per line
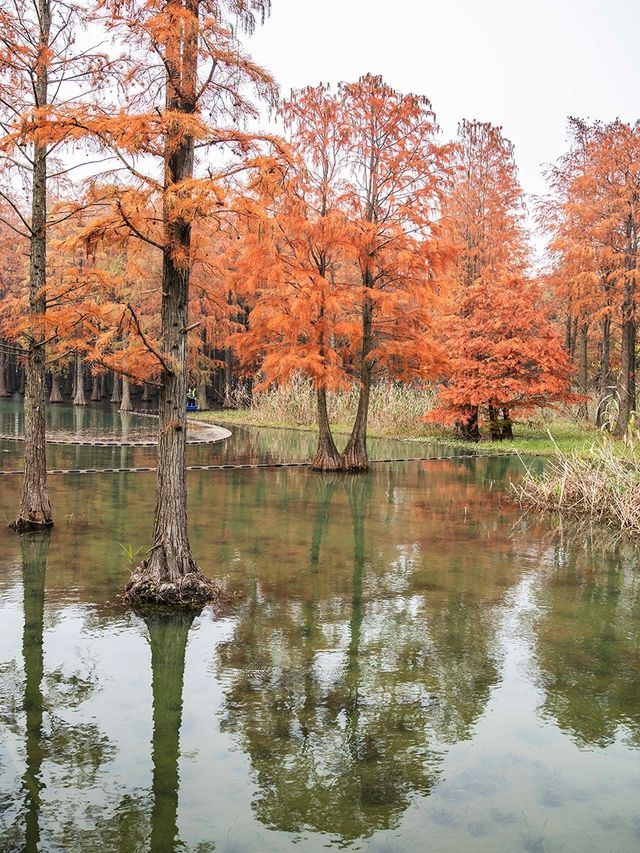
point(602, 485)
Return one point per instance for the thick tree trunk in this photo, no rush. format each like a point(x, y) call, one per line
point(494, 427)
point(203, 403)
point(355, 456)
point(327, 457)
point(115, 390)
point(4, 391)
point(103, 386)
point(79, 398)
point(95, 388)
point(55, 395)
point(583, 370)
point(468, 428)
point(171, 575)
point(606, 389)
point(507, 425)
point(34, 565)
point(35, 508)
point(125, 405)
point(146, 397)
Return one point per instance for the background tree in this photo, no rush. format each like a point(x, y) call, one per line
point(505, 354)
point(396, 171)
point(593, 216)
point(503, 349)
point(41, 66)
point(293, 267)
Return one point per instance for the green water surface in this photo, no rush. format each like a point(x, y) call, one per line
point(411, 664)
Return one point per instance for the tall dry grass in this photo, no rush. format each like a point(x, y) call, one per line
point(395, 409)
point(603, 486)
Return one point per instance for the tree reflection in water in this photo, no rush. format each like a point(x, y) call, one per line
point(34, 548)
point(587, 634)
point(168, 634)
point(346, 704)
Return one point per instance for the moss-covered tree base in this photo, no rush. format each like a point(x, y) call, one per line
point(192, 590)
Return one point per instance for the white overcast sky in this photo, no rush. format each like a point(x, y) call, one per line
point(523, 64)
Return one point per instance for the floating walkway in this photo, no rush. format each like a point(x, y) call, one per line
point(239, 466)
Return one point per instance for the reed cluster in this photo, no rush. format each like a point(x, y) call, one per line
point(602, 485)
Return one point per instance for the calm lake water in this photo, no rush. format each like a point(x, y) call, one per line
point(410, 664)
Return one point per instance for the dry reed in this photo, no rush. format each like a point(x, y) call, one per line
point(602, 486)
point(394, 409)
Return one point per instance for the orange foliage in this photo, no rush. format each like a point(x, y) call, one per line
point(503, 350)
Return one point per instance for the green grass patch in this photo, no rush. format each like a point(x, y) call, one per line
point(531, 438)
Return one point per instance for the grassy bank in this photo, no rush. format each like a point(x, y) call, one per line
point(398, 412)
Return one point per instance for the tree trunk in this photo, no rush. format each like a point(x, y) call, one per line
point(103, 386)
point(627, 378)
point(4, 391)
point(327, 457)
point(35, 508)
point(11, 374)
point(125, 405)
point(146, 397)
point(68, 382)
point(115, 390)
point(203, 403)
point(494, 427)
point(567, 334)
point(469, 428)
point(605, 371)
point(228, 379)
point(95, 389)
point(168, 635)
point(34, 566)
point(573, 338)
point(56, 394)
point(507, 425)
point(171, 575)
point(79, 398)
point(583, 411)
point(355, 456)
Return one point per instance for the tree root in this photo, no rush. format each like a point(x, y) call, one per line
point(192, 590)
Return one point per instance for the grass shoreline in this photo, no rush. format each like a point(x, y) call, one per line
point(532, 439)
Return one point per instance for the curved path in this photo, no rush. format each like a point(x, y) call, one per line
point(207, 434)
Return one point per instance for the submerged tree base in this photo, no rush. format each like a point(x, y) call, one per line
point(354, 461)
point(326, 461)
point(192, 590)
point(30, 525)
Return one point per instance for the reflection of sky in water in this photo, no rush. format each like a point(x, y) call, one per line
point(410, 666)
